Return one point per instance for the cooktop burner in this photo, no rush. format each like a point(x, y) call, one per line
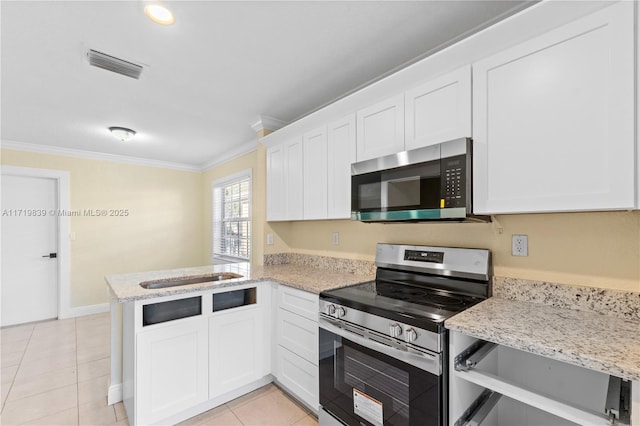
point(427, 297)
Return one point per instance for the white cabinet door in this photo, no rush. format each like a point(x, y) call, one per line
point(294, 179)
point(315, 174)
point(439, 111)
point(554, 119)
point(285, 181)
point(298, 334)
point(236, 349)
point(341, 151)
point(380, 129)
point(276, 195)
point(299, 376)
point(172, 369)
point(299, 302)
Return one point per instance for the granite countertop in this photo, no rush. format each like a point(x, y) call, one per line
point(588, 339)
point(126, 288)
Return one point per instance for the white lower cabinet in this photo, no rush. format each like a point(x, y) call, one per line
point(186, 354)
point(297, 344)
point(298, 376)
point(236, 349)
point(505, 386)
point(172, 369)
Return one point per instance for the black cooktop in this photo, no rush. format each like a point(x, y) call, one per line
point(416, 305)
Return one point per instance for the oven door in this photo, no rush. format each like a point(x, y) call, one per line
point(363, 382)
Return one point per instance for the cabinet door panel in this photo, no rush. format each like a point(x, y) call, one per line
point(172, 370)
point(553, 120)
point(236, 350)
point(299, 335)
point(380, 129)
point(341, 150)
point(439, 110)
point(299, 376)
point(294, 180)
point(299, 302)
point(276, 191)
point(315, 174)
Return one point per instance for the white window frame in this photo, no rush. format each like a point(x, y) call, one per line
point(227, 180)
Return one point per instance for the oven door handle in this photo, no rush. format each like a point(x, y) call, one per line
point(424, 361)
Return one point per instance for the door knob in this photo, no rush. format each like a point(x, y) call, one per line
point(51, 255)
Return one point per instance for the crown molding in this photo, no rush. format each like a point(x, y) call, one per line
point(78, 153)
point(229, 155)
point(265, 122)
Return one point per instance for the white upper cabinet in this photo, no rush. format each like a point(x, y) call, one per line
point(380, 129)
point(341, 150)
point(315, 174)
point(285, 181)
point(553, 119)
point(439, 110)
point(294, 179)
point(276, 195)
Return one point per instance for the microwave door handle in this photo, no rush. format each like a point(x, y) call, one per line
point(424, 361)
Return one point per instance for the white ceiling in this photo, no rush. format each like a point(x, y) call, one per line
point(211, 74)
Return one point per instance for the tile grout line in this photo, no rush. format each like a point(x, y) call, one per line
point(4, 403)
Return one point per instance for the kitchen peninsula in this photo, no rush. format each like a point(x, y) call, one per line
point(185, 349)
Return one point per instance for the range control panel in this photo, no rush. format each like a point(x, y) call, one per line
point(424, 256)
point(453, 178)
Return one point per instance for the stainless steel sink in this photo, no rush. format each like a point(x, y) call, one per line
point(174, 282)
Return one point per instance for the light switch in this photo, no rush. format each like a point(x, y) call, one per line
point(270, 239)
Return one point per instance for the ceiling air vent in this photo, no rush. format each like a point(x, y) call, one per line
point(113, 64)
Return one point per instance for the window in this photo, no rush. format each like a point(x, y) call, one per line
point(232, 216)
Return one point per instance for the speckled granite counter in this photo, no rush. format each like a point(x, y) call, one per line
point(126, 288)
point(588, 339)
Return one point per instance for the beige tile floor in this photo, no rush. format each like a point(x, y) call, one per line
point(57, 373)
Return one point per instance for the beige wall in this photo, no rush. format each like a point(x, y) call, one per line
point(170, 226)
point(591, 249)
point(163, 230)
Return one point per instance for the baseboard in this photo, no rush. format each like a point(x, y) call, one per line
point(86, 310)
point(115, 394)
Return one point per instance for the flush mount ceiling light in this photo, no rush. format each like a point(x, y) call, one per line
point(122, 133)
point(159, 14)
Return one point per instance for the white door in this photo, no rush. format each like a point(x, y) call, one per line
point(29, 235)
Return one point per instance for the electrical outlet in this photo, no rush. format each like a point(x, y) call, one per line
point(519, 245)
point(270, 239)
point(335, 238)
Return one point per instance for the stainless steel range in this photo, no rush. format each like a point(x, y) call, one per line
point(383, 345)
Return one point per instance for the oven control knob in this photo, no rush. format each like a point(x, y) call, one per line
point(340, 312)
point(410, 335)
point(331, 310)
point(395, 330)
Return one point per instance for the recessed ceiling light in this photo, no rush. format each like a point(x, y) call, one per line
point(159, 14)
point(122, 133)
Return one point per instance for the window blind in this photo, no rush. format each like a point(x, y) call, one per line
point(232, 218)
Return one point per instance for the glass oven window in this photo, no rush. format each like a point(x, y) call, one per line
point(408, 396)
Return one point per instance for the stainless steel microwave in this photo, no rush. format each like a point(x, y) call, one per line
point(429, 183)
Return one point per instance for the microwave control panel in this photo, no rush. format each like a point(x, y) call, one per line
point(453, 180)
